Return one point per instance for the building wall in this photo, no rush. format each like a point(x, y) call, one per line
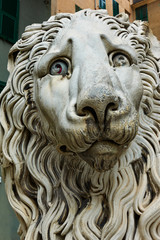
point(154, 17)
point(4, 49)
point(69, 5)
point(126, 6)
point(29, 12)
point(153, 7)
point(32, 11)
point(58, 6)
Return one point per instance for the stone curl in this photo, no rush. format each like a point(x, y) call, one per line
point(57, 196)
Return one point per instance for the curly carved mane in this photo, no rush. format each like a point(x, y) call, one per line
point(59, 197)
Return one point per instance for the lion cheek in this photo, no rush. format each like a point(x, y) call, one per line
point(131, 83)
point(51, 97)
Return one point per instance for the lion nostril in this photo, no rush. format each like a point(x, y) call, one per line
point(100, 112)
point(79, 112)
point(113, 106)
point(86, 111)
point(98, 107)
point(90, 111)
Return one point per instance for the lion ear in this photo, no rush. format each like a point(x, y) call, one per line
point(123, 17)
point(12, 57)
point(155, 45)
point(142, 27)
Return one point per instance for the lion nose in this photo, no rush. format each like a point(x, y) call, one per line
point(98, 103)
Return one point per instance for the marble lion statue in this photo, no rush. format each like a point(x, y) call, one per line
point(80, 129)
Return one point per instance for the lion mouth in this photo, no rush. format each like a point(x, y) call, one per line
point(102, 155)
point(103, 147)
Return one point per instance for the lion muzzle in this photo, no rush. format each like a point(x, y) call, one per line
point(109, 111)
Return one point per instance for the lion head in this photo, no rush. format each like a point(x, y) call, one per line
point(80, 121)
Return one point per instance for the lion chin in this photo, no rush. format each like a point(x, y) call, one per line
point(102, 156)
point(79, 129)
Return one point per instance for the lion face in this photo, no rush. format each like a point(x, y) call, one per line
point(88, 91)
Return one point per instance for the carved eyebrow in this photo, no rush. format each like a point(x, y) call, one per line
point(51, 55)
point(116, 44)
point(108, 42)
point(42, 65)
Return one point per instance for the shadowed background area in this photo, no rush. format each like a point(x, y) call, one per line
point(9, 223)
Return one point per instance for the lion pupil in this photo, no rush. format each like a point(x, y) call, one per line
point(58, 68)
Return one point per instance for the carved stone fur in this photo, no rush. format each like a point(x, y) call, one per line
point(56, 191)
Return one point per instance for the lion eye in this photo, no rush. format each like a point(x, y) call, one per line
point(59, 67)
point(120, 60)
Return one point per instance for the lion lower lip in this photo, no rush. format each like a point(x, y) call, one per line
point(104, 147)
point(98, 147)
point(107, 148)
point(102, 155)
